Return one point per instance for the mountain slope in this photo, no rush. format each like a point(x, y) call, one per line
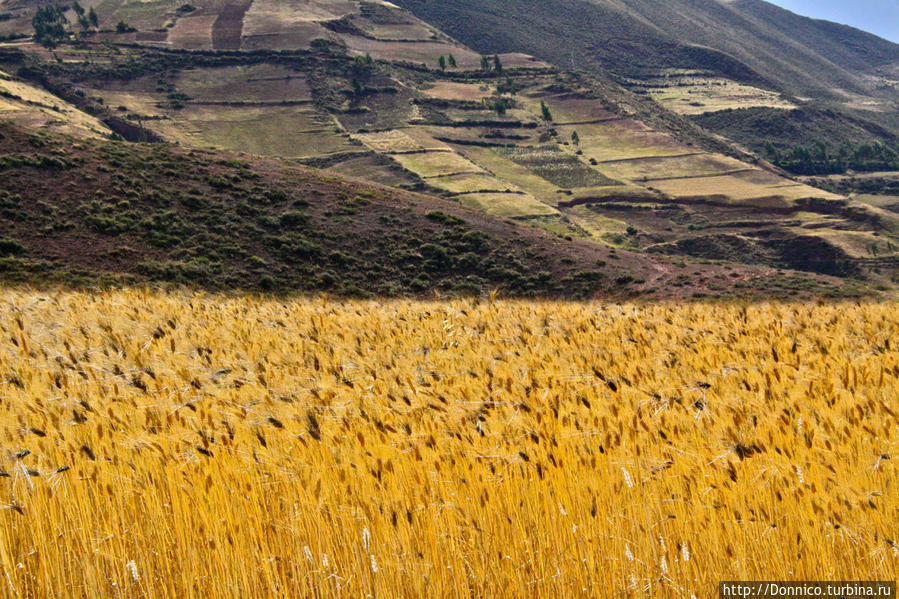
point(749, 40)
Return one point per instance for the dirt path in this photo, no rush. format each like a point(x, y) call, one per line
point(228, 26)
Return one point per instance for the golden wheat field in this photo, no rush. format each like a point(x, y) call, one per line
point(188, 445)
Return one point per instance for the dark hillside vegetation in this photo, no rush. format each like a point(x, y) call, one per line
point(808, 140)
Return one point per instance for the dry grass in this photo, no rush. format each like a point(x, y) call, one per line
point(33, 107)
point(756, 187)
point(437, 164)
point(176, 445)
point(511, 205)
point(699, 95)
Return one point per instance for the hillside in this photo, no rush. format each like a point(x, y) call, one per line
point(371, 92)
point(749, 40)
point(697, 56)
point(86, 212)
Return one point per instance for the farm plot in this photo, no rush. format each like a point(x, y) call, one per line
point(623, 139)
point(696, 95)
point(289, 24)
point(399, 141)
point(858, 244)
point(570, 110)
point(452, 90)
point(557, 167)
point(208, 444)
point(756, 187)
point(508, 170)
point(257, 83)
point(288, 131)
point(673, 167)
point(424, 52)
point(510, 205)
point(193, 32)
point(144, 15)
point(437, 164)
point(494, 136)
point(376, 168)
point(472, 183)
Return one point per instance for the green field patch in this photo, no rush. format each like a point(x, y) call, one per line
point(887, 202)
point(626, 191)
point(288, 131)
point(437, 164)
point(670, 167)
point(472, 183)
point(139, 103)
point(599, 228)
point(511, 205)
point(511, 118)
point(257, 83)
point(505, 169)
point(557, 167)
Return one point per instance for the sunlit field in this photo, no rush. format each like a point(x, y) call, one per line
point(188, 445)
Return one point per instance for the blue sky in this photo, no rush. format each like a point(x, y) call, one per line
point(877, 16)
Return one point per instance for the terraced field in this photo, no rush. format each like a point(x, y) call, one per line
point(693, 93)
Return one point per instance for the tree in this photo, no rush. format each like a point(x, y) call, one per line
point(485, 63)
point(497, 65)
point(575, 138)
point(498, 104)
point(83, 19)
point(452, 61)
point(93, 18)
point(547, 115)
point(442, 62)
point(49, 25)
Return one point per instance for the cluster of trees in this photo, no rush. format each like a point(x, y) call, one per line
point(363, 66)
point(819, 159)
point(494, 64)
point(51, 24)
point(445, 61)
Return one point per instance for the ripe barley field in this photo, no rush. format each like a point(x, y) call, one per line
point(188, 445)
